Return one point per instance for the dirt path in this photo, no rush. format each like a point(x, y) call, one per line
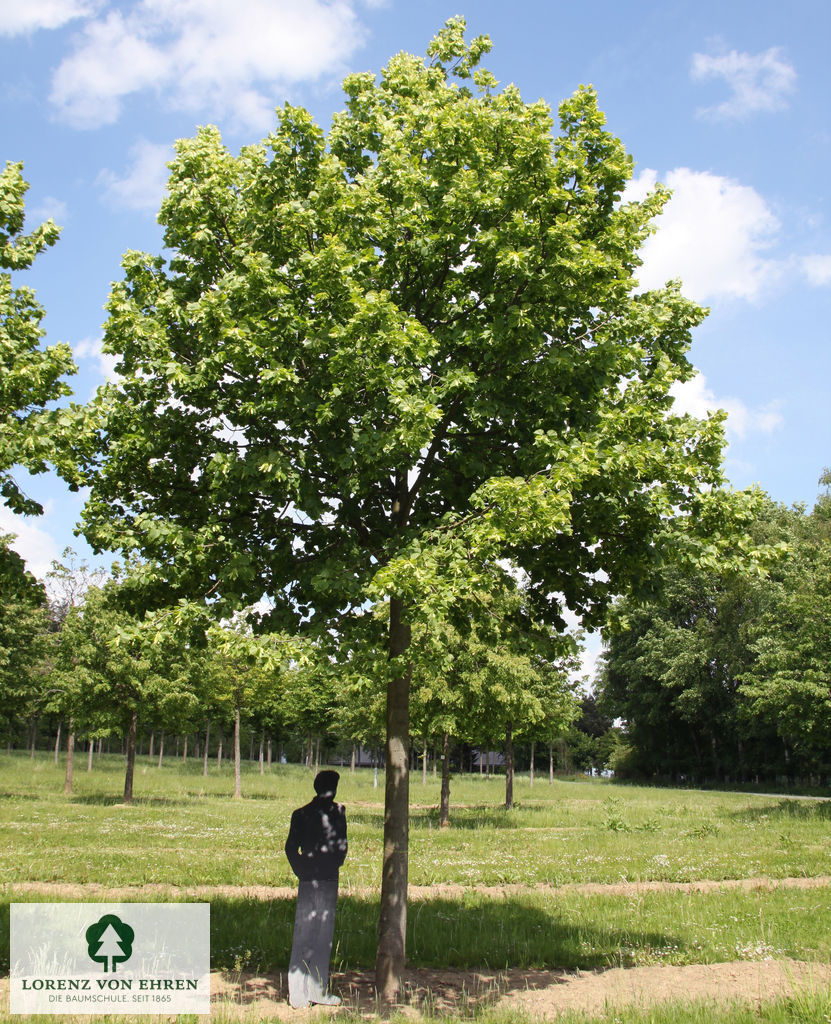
point(539, 994)
point(73, 890)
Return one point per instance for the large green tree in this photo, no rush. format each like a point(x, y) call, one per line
point(30, 376)
point(379, 361)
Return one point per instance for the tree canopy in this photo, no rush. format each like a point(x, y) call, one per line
point(396, 362)
point(30, 376)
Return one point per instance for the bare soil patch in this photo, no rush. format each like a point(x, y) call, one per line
point(540, 994)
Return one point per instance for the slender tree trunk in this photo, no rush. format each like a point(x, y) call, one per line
point(151, 752)
point(207, 741)
point(268, 753)
point(317, 754)
point(352, 762)
point(35, 722)
point(185, 749)
point(550, 762)
point(70, 750)
point(392, 927)
point(161, 749)
point(58, 740)
point(89, 754)
point(100, 747)
point(237, 760)
point(219, 748)
point(262, 752)
point(481, 763)
point(444, 802)
point(424, 764)
point(533, 746)
point(509, 766)
point(131, 759)
point(435, 759)
point(251, 747)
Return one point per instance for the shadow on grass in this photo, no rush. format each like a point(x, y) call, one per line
point(475, 816)
point(787, 810)
point(475, 933)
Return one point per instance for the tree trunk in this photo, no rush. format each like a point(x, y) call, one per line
point(58, 740)
point(131, 759)
point(185, 749)
point(262, 752)
point(70, 750)
point(444, 802)
point(237, 765)
point(100, 747)
point(435, 759)
point(152, 749)
point(317, 753)
point(35, 722)
point(207, 740)
point(533, 747)
point(392, 926)
point(219, 748)
point(550, 762)
point(89, 754)
point(509, 766)
point(268, 753)
point(161, 749)
point(251, 747)
point(424, 764)
point(352, 762)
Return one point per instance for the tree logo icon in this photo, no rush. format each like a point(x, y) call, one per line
point(110, 941)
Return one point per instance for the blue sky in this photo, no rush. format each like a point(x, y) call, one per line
point(725, 102)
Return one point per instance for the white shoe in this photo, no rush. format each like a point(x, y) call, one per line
point(328, 1001)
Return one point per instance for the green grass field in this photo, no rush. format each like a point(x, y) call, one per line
point(184, 830)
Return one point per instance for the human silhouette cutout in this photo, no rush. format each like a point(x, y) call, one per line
point(316, 848)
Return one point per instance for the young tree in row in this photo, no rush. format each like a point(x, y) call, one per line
point(381, 360)
point(113, 666)
point(246, 672)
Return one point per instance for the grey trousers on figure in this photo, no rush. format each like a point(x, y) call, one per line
point(314, 928)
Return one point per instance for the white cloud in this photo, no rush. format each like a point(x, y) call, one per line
point(20, 16)
point(37, 547)
point(697, 399)
point(48, 207)
point(92, 349)
point(712, 234)
point(817, 269)
point(142, 187)
point(758, 82)
point(204, 55)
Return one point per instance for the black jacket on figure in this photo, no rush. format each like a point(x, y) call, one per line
point(316, 846)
